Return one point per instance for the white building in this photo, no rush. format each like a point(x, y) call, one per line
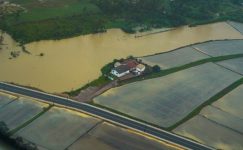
point(120, 71)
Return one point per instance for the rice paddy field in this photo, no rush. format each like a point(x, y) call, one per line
point(20, 111)
point(109, 137)
point(57, 128)
point(238, 26)
point(221, 48)
point(5, 99)
point(174, 58)
point(219, 125)
point(166, 100)
point(60, 129)
point(233, 64)
point(208, 132)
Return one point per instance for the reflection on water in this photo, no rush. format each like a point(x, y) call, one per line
point(70, 63)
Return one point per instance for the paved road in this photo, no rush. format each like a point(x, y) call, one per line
point(107, 115)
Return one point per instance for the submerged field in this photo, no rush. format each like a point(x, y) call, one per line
point(221, 48)
point(233, 64)
point(219, 125)
point(20, 111)
point(59, 126)
point(237, 26)
point(60, 129)
point(109, 137)
point(175, 58)
point(166, 100)
point(5, 99)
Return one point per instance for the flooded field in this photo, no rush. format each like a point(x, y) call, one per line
point(58, 128)
point(219, 125)
point(5, 99)
point(237, 26)
point(70, 63)
point(20, 111)
point(175, 58)
point(62, 129)
point(166, 100)
point(205, 131)
point(109, 137)
point(221, 48)
point(234, 64)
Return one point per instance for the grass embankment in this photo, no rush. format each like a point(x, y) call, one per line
point(45, 109)
point(173, 70)
point(57, 19)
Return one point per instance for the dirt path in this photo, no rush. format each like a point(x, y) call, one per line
point(88, 94)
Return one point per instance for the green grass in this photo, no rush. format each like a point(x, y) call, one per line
point(29, 121)
point(48, 13)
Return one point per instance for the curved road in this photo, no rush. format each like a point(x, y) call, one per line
point(107, 115)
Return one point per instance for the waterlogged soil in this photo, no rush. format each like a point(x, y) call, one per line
point(63, 65)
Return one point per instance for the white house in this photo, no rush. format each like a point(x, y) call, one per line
point(120, 71)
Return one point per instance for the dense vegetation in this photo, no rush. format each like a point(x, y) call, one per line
point(56, 19)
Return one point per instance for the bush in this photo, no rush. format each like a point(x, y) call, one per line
point(156, 68)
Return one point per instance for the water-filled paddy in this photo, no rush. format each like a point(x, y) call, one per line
point(166, 100)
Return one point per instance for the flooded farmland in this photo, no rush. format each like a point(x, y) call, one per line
point(220, 125)
point(78, 130)
point(166, 100)
point(70, 63)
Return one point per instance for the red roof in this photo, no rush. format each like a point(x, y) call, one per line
point(130, 63)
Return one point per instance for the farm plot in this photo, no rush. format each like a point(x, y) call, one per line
point(232, 102)
point(223, 118)
point(210, 133)
point(57, 129)
point(20, 111)
point(166, 100)
point(175, 58)
point(238, 26)
point(109, 137)
point(233, 64)
point(5, 99)
point(221, 48)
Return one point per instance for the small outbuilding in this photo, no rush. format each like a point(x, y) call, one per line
point(140, 68)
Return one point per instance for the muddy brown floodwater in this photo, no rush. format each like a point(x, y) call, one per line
point(70, 63)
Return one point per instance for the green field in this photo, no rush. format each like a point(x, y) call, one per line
point(57, 19)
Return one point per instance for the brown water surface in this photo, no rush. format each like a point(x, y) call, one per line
point(70, 63)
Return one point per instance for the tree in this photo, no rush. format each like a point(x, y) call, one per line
point(156, 69)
